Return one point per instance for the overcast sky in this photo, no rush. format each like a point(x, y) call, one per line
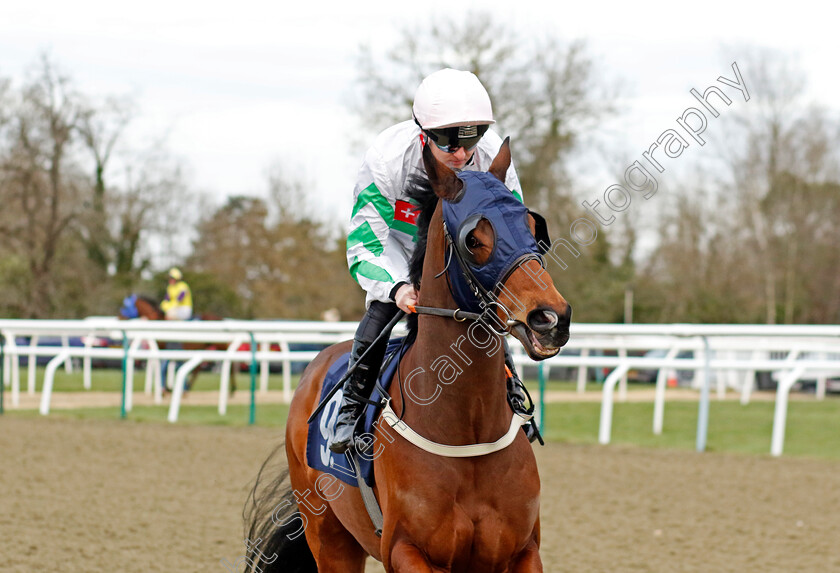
point(238, 85)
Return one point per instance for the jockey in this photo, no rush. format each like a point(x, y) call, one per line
point(178, 302)
point(452, 113)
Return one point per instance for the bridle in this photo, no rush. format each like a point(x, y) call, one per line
point(487, 299)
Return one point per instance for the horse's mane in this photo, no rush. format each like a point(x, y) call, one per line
point(420, 191)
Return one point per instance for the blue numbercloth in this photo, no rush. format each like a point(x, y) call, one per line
point(322, 428)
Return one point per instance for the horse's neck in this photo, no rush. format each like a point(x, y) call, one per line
point(151, 312)
point(462, 362)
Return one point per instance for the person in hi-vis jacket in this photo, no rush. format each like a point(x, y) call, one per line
point(177, 305)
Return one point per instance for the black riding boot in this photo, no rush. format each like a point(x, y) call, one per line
point(517, 397)
point(363, 378)
point(360, 383)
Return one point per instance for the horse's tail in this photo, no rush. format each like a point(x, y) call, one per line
point(274, 526)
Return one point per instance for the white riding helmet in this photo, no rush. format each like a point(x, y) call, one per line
point(175, 273)
point(451, 98)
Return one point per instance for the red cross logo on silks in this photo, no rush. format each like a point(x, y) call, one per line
point(405, 212)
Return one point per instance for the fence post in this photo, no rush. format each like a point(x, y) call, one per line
point(124, 368)
point(786, 382)
point(703, 408)
point(2, 370)
point(253, 410)
point(605, 426)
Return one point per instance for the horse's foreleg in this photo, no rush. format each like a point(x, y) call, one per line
point(407, 558)
point(528, 561)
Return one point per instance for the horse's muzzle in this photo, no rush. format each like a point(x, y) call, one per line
point(550, 329)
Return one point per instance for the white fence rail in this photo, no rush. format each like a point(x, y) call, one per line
point(734, 353)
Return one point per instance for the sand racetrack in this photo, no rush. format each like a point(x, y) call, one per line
point(89, 496)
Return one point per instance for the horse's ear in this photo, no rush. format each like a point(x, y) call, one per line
point(501, 163)
point(445, 183)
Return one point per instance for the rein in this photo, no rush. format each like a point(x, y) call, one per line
point(457, 314)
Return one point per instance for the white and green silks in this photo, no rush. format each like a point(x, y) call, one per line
point(382, 225)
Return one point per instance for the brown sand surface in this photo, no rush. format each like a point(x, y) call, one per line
point(90, 496)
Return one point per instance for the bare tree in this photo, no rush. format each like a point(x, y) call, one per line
point(144, 196)
point(788, 158)
point(41, 186)
point(78, 211)
point(101, 127)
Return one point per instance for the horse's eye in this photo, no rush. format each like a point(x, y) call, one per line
point(472, 242)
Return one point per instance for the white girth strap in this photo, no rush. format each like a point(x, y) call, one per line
point(444, 450)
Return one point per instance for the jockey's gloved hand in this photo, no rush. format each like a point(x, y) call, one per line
point(405, 296)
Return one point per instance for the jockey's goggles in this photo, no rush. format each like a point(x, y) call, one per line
point(450, 139)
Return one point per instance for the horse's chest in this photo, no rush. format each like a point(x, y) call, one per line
point(471, 534)
point(466, 515)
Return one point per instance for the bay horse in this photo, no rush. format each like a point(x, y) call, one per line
point(139, 306)
point(473, 513)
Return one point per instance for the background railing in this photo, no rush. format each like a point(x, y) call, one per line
point(723, 356)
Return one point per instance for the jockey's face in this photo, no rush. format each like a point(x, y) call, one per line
point(455, 160)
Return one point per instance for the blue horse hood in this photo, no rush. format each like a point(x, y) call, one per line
point(486, 197)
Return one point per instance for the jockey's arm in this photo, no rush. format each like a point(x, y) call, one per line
point(377, 254)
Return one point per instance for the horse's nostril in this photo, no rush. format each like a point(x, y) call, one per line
point(542, 320)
